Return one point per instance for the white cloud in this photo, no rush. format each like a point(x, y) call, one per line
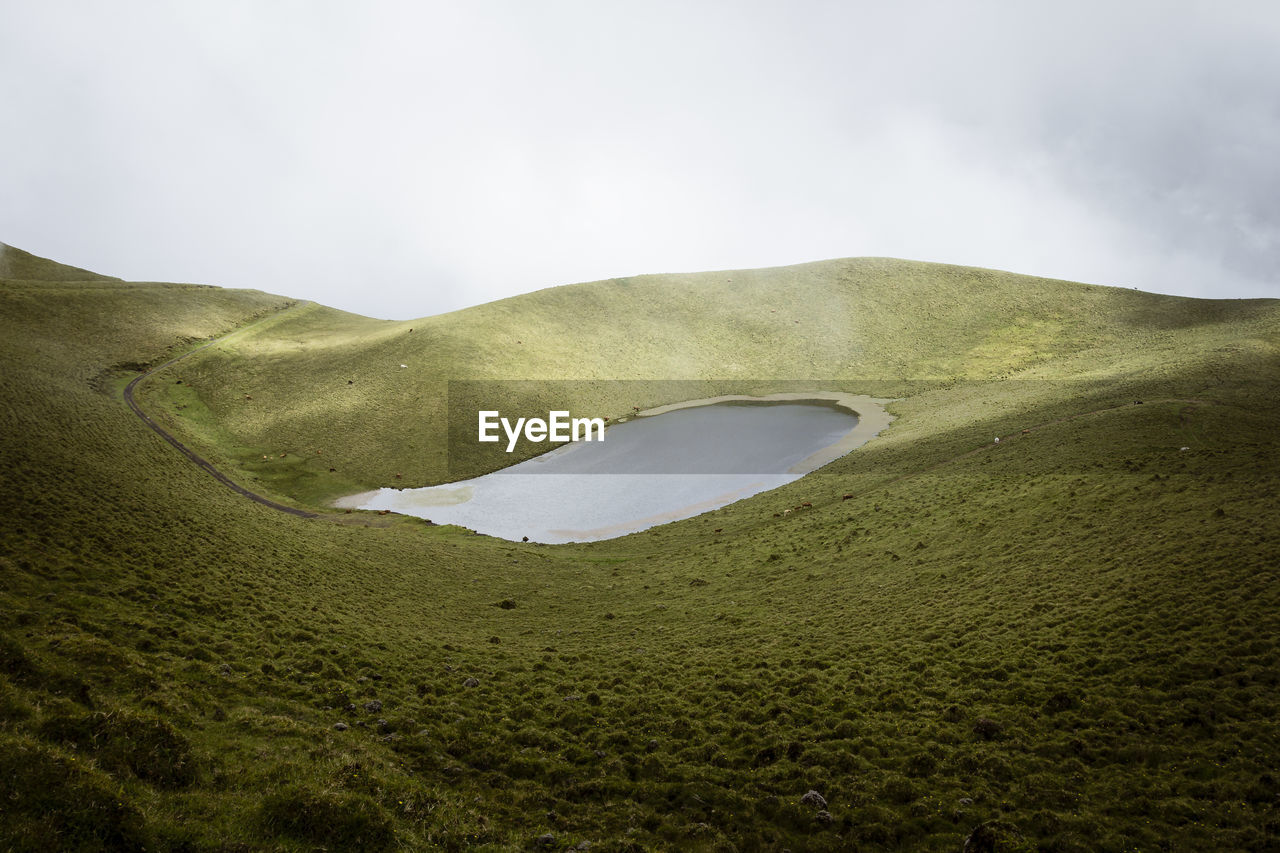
point(404, 159)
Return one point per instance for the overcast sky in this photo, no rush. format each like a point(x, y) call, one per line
point(404, 159)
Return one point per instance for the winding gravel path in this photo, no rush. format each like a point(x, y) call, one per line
point(301, 513)
point(200, 461)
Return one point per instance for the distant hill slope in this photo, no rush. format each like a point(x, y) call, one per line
point(17, 264)
point(322, 380)
point(1066, 641)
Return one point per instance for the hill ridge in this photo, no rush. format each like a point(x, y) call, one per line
point(1065, 641)
point(19, 265)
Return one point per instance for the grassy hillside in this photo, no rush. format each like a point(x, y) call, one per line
point(1066, 641)
point(20, 265)
point(322, 380)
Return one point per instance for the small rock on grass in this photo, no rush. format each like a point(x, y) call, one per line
point(981, 840)
point(813, 798)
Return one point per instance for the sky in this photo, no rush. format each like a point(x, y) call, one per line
point(401, 159)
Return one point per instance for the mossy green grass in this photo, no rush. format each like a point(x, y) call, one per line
point(1068, 639)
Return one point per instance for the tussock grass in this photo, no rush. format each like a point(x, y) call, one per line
point(1068, 639)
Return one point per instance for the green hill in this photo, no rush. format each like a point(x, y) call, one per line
point(20, 265)
point(320, 379)
point(1067, 639)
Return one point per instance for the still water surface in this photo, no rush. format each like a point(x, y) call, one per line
point(647, 471)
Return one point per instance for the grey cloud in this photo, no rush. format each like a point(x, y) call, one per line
point(405, 159)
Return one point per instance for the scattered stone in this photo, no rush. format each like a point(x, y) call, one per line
point(225, 669)
point(340, 727)
point(824, 817)
point(506, 604)
point(350, 708)
point(981, 840)
point(966, 801)
point(546, 840)
point(373, 706)
point(383, 726)
point(652, 745)
point(471, 682)
point(813, 798)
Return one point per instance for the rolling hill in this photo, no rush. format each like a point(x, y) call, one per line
point(1066, 641)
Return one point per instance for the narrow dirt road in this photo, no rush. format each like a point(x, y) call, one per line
point(191, 454)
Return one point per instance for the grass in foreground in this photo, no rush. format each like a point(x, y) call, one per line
point(1068, 639)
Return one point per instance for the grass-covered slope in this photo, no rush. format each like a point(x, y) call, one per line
point(321, 380)
point(1068, 639)
point(19, 265)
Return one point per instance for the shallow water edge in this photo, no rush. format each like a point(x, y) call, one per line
point(516, 503)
